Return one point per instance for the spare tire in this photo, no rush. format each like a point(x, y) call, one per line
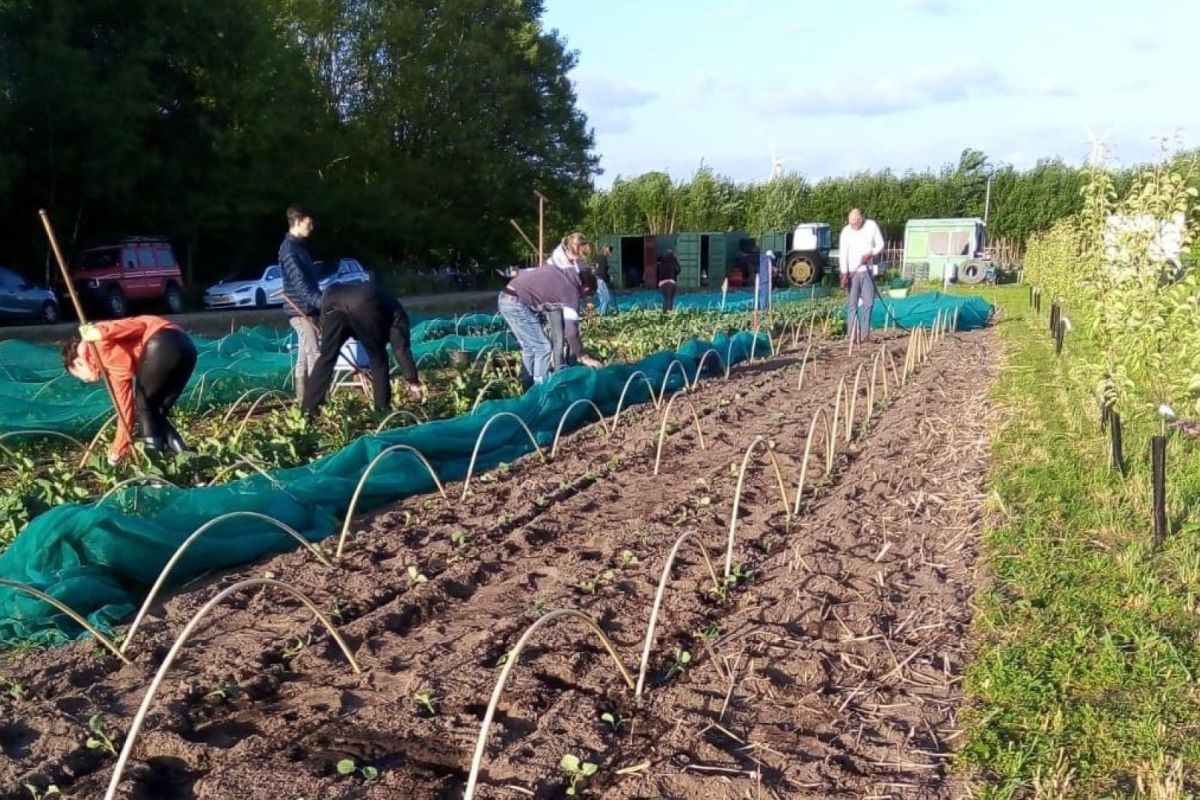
point(802, 268)
point(973, 271)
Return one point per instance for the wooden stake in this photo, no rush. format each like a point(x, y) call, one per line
point(541, 227)
point(122, 422)
point(523, 236)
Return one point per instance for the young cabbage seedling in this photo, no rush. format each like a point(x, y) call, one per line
point(613, 720)
point(348, 766)
point(97, 738)
point(226, 691)
point(425, 698)
point(682, 659)
point(628, 558)
point(577, 771)
point(38, 794)
point(11, 688)
point(415, 576)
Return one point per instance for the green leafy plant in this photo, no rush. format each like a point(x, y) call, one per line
point(682, 659)
point(577, 771)
point(38, 794)
point(415, 576)
point(97, 738)
point(228, 690)
point(425, 699)
point(613, 720)
point(348, 766)
point(628, 559)
point(593, 584)
point(11, 688)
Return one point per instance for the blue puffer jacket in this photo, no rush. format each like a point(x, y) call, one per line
point(299, 277)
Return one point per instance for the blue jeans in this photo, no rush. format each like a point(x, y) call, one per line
point(527, 327)
point(858, 318)
point(603, 295)
point(764, 287)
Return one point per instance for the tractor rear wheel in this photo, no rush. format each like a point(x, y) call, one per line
point(802, 268)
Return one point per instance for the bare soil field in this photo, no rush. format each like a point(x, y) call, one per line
point(829, 668)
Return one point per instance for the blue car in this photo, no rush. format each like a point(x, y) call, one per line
point(22, 301)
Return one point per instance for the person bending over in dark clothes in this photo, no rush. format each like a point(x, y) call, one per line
point(152, 350)
point(370, 314)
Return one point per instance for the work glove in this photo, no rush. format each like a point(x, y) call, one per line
point(89, 332)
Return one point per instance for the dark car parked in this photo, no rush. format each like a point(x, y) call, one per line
point(21, 301)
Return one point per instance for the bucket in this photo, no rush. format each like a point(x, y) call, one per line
point(898, 293)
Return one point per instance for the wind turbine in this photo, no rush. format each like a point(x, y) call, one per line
point(1100, 148)
point(776, 165)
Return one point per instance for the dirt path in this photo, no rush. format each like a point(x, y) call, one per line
point(842, 655)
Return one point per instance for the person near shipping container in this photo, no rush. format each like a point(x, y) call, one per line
point(571, 253)
point(371, 315)
point(860, 243)
point(302, 293)
point(603, 285)
point(148, 361)
point(766, 273)
point(668, 275)
point(524, 302)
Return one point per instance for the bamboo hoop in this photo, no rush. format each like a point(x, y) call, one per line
point(854, 401)
point(804, 366)
point(621, 400)
point(87, 453)
point(662, 428)
point(241, 398)
point(196, 534)
point(562, 420)
point(712, 351)
point(140, 717)
point(830, 444)
point(841, 400)
point(658, 597)
point(70, 612)
point(37, 432)
point(479, 441)
point(482, 393)
point(513, 657)
point(394, 414)
point(687, 386)
point(362, 482)
point(254, 407)
point(131, 481)
point(737, 495)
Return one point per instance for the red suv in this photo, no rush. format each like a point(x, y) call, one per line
point(136, 269)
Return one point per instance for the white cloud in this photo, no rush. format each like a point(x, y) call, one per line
point(889, 94)
point(608, 102)
point(937, 7)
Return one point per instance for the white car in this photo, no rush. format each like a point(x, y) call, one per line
point(247, 289)
point(348, 270)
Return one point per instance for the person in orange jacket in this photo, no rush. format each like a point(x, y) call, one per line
point(149, 362)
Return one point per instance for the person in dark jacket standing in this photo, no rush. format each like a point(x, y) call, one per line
point(603, 286)
point(373, 316)
point(302, 293)
point(668, 274)
point(538, 291)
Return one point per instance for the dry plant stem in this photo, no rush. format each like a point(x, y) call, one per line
point(621, 400)
point(658, 596)
point(178, 554)
point(258, 390)
point(820, 415)
point(362, 482)
point(70, 612)
point(563, 420)
point(140, 716)
point(662, 428)
point(737, 495)
point(514, 656)
point(131, 481)
point(483, 432)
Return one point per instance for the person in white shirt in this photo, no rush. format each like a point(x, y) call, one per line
point(859, 245)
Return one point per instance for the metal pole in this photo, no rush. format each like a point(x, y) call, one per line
point(987, 200)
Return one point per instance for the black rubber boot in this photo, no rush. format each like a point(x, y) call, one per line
point(176, 442)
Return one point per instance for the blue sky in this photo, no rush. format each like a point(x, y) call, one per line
point(837, 87)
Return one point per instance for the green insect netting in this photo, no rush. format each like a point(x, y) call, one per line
point(100, 559)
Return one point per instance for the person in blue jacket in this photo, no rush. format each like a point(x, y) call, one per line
point(302, 293)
